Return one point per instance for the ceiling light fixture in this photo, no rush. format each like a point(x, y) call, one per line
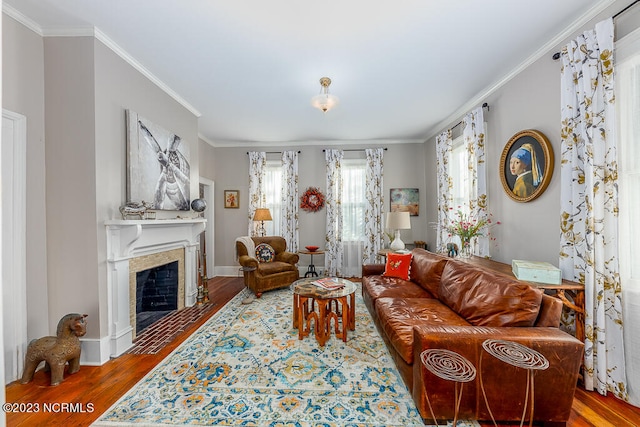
point(325, 101)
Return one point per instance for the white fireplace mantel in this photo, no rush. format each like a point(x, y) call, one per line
point(127, 239)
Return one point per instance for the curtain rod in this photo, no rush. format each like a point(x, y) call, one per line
point(275, 152)
point(556, 55)
point(355, 149)
point(485, 105)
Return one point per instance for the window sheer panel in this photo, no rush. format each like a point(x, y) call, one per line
point(273, 195)
point(628, 110)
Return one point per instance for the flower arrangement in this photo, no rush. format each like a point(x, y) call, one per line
point(468, 227)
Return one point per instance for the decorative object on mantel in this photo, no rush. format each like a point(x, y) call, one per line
point(199, 205)
point(526, 165)
point(325, 101)
point(138, 209)
point(158, 163)
point(57, 351)
point(312, 200)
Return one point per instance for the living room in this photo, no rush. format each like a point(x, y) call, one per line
point(77, 180)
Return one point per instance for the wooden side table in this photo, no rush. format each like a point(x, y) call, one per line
point(338, 305)
point(311, 270)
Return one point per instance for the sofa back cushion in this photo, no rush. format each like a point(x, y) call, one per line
point(426, 269)
point(485, 298)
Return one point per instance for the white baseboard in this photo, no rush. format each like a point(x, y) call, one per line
point(95, 352)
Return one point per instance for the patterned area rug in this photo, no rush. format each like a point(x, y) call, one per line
point(246, 367)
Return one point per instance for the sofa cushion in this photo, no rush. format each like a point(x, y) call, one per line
point(485, 298)
point(398, 316)
point(426, 269)
point(392, 287)
point(398, 265)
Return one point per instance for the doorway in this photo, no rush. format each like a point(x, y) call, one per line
point(14, 284)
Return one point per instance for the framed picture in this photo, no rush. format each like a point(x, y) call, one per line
point(231, 199)
point(526, 165)
point(405, 200)
point(158, 169)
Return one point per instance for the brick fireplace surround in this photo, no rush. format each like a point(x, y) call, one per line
point(128, 243)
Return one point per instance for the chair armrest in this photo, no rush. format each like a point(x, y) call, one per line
point(372, 269)
point(288, 257)
point(248, 261)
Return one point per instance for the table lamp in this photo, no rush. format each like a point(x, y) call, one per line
point(262, 215)
point(398, 221)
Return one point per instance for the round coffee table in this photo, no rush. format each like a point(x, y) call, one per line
point(312, 303)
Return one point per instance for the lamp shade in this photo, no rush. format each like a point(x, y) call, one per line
point(398, 221)
point(262, 214)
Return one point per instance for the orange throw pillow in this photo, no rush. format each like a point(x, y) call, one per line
point(398, 265)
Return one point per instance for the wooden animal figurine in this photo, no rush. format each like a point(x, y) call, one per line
point(57, 351)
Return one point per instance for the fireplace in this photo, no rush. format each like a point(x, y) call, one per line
point(156, 287)
point(156, 294)
point(134, 246)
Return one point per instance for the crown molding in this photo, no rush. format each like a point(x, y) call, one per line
point(108, 42)
point(544, 50)
point(104, 39)
point(308, 143)
point(21, 18)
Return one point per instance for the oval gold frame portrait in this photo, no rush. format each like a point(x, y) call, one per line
point(543, 155)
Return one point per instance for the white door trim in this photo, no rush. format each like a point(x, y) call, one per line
point(210, 230)
point(14, 245)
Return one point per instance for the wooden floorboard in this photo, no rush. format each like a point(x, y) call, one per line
point(95, 388)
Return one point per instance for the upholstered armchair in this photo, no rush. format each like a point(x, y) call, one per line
point(272, 268)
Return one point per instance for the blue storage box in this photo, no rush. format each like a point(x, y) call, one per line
point(536, 271)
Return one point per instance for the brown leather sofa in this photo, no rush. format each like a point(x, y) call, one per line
point(265, 276)
point(448, 304)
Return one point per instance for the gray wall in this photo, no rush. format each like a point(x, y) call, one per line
point(83, 90)
point(403, 167)
point(118, 87)
point(530, 100)
point(23, 92)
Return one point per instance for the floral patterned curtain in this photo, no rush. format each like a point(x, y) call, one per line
point(333, 244)
point(589, 202)
point(289, 210)
point(444, 145)
point(257, 165)
point(473, 137)
point(373, 226)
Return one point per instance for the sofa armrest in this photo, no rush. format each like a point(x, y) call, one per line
point(288, 257)
point(504, 384)
point(248, 261)
point(372, 269)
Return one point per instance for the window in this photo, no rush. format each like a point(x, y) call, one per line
point(353, 199)
point(273, 195)
point(628, 104)
point(459, 172)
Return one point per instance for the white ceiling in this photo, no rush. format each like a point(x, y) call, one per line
point(403, 69)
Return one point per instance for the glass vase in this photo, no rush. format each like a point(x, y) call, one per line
point(466, 249)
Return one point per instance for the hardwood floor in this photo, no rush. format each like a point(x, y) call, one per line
point(83, 397)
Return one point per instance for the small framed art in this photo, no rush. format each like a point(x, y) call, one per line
point(231, 199)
